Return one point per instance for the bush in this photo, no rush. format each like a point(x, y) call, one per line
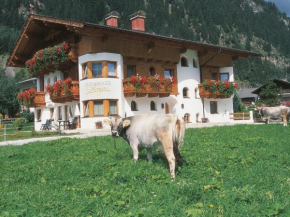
point(29, 116)
point(18, 124)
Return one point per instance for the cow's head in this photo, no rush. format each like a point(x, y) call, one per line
point(118, 124)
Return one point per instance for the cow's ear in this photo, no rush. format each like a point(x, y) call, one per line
point(126, 123)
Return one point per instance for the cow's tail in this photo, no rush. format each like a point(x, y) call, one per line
point(178, 137)
point(179, 131)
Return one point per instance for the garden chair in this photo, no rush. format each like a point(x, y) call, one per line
point(47, 125)
point(73, 125)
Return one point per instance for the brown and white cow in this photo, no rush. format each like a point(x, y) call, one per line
point(273, 112)
point(163, 131)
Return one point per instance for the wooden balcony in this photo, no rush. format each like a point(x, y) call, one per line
point(39, 100)
point(146, 90)
point(206, 94)
point(73, 96)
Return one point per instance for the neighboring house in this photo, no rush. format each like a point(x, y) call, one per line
point(247, 96)
point(27, 84)
point(285, 89)
point(103, 57)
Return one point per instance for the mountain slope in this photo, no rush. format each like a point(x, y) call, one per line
point(253, 25)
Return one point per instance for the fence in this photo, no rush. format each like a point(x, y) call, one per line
point(241, 116)
point(9, 130)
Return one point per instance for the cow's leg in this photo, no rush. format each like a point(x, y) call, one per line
point(134, 147)
point(168, 151)
point(149, 154)
point(268, 120)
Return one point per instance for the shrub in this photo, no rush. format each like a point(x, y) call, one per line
point(18, 124)
point(29, 116)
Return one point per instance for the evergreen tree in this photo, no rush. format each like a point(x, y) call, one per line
point(270, 94)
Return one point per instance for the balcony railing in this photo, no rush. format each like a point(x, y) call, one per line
point(39, 100)
point(71, 95)
point(130, 90)
point(208, 93)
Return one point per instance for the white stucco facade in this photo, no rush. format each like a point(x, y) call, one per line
point(111, 88)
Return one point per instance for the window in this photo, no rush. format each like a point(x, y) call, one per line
point(85, 70)
point(152, 71)
point(86, 109)
point(214, 76)
point(112, 69)
point(168, 73)
point(98, 108)
point(194, 63)
point(185, 92)
point(97, 69)
point(186, 117)
point(213, 107)
point(224, 76)
point(59, 113)
point(38, 115)
point(162, 105)
point(113, 108)
point(133, 106)
point(152, 106)
point(54, 79)
point(70, 111)
point(48, 81)
point(184, 62)
point(131, 70)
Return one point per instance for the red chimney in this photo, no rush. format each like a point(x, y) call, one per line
point(112, 19)
point(138, 20)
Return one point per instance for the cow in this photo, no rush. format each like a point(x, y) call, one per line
point(153, 131)
point(273, 112)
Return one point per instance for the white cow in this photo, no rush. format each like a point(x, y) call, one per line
point(273, 112)
point(149, 131)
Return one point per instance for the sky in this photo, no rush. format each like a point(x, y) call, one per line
point(283, 5)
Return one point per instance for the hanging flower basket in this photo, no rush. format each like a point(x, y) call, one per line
point(26, 97)
point(47, 57)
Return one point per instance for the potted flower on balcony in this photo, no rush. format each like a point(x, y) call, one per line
point(48, 56)
point(168, 83)
point(138, 81)
point(221, 89)
point(26, 97)
point(154, 82)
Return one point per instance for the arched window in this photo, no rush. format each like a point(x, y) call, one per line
point(194, 64)
point(162, 105)
point(184, 62)
point(186, 117)
point(152, 71)
point(185, 92)
point(48, 81)
point(133, 106)
point(152, 106)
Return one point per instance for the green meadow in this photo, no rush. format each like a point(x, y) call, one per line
point(227, 171)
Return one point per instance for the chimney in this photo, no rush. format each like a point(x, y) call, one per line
point(112, 19)
point(138, 21)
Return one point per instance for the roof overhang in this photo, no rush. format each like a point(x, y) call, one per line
point(41, 31)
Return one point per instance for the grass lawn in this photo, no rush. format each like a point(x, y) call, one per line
point(228, 171)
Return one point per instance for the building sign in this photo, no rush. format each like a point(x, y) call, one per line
point(100, 89)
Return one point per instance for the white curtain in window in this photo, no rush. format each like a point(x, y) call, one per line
point(111, 69)
point(113, 107)
point(98, 108)
point(86, 104)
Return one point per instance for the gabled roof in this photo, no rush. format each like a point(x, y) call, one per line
point(247, 93)
point(42, 31)
point(280, 83)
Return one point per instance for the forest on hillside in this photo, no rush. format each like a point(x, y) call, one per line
point(253, 25)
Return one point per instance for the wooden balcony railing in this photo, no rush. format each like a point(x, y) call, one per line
point(72, 96)
point(130, 90)
point(39, 100)
point(206, 94)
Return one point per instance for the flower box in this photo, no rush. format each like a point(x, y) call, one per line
point(63, 91)
point(32, 98)
point(217, 89)
point(153, 86)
